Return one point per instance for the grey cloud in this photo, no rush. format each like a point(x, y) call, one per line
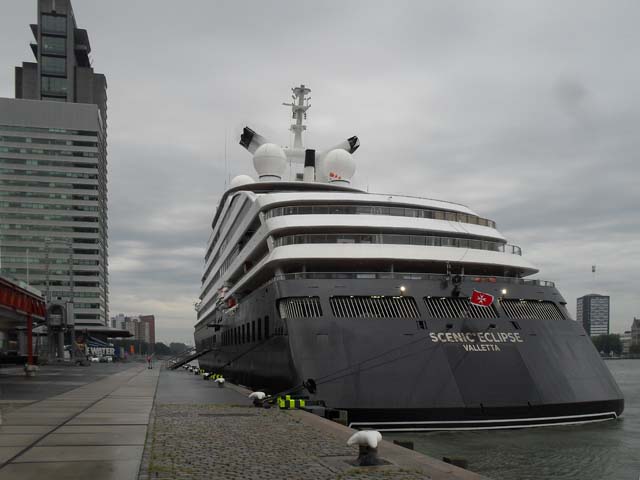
point(525, 111)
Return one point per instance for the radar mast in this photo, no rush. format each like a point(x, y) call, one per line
point(299, 108)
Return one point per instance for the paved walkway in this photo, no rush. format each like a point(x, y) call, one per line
point(95, 431)
point(200, 431)
point(112, 429)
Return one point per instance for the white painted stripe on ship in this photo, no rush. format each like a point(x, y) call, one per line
point(498, 427)
point(431, 422)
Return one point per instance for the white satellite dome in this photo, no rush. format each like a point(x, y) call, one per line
point(338, 166)
point(270, 161)
point(241, 180)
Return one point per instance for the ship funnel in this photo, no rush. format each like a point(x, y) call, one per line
point(309, 174)
point(270, 161)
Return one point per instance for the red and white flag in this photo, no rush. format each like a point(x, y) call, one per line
point(481, 299)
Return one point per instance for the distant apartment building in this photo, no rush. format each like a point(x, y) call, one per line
point(635, 331)
point(593, 312)
point(148, 328)
point(53, 169)
point(141, 327)
point(116, 322)
point(625, 340)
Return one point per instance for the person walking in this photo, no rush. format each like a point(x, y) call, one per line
point(149, 361)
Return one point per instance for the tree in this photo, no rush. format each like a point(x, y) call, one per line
point(608, 344)
point(162, 349)
point(177, 347)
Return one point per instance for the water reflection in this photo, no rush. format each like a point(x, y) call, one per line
point(607, 450)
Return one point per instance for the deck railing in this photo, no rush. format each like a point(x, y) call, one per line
point(410, 276)
point(393, 211)
point(392, 239)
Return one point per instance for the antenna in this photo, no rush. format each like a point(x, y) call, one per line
point(299, 112)
point(225, 158)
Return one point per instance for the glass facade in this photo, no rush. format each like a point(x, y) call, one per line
point(54, 65)
point(52, 217)
point(53, 170)
point(53, 85)
point(54, 45)
point(56, 24)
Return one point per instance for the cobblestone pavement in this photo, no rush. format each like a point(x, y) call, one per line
point(204, 441)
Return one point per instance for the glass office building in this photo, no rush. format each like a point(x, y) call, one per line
point(593, 311)
point(53, 169)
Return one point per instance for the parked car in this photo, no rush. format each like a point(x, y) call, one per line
point(94, 359)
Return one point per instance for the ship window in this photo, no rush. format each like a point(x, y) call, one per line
point(243, 338)
point(253, 331)
point(460, 307)
point(374, 307)
point(299, 307)
point(259, 329)
point(531, 309)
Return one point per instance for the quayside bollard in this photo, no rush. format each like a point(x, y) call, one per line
point(367, 441)
point(258, 398)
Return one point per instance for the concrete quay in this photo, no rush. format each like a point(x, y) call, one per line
point(128, 422)
point(91, 427)
point(200, 431)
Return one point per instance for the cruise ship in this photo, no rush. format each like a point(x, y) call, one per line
point(407, 313)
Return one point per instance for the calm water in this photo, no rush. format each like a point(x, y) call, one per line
point(608, 450)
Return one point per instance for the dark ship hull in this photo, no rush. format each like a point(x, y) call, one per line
point(424, 373)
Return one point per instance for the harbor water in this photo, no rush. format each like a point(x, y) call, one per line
point(607, 450)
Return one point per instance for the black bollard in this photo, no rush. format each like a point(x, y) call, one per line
point(368, 456)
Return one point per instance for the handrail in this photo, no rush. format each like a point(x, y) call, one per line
point(409, 276)
point(395, 211)
point(393, 239)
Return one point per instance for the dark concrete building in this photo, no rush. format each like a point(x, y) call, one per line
point(593, 312)
point(53, 170)
point(62, 71)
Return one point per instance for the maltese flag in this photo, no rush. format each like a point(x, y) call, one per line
point(481, 299)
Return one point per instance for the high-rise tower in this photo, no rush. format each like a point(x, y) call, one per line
point(593, 312)
point(53, 169)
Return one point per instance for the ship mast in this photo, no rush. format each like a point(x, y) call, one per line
point(299, 108)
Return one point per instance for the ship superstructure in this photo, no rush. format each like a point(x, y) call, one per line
point(369, 303)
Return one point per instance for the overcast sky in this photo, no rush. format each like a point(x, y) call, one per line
point(528, 112)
